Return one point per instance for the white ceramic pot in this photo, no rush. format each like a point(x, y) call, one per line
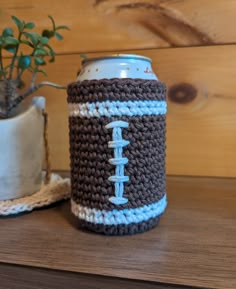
point(21, 152)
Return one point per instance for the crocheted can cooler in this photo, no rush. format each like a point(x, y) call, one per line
point(117, 149)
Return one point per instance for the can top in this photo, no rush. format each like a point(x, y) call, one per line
point(118, 56)
point(117, 66)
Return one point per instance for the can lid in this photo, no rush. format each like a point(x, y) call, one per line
point(116, 56)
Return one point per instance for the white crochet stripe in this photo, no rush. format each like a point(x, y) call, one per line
point(117, 108)
point(117, 217)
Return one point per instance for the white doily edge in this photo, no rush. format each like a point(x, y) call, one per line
point(58, 189)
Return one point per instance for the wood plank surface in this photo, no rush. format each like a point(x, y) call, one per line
point(102, 25)
point(201, 119)
point(193, 245)
point(35, 278)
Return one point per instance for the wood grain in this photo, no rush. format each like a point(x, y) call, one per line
point(201, 134)
point(35, 278)
point(130, 24)
point(159, 17)
point(193, 245)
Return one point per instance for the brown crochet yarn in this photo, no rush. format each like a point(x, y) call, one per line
point(93, 105)
point(116, 89)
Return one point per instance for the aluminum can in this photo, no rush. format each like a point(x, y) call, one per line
point(117, 66)
point(117, 119)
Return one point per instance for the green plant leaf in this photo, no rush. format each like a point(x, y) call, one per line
point(19, 24)
point(41, 51)
point(58, 36)
point(33, 36)
point(11, 40)
point(52, 59)
point(62, 27)
point(1, 41)
point(84, 56)
point(51, 53)
point(7, 32)
point(24, 61)
point(29, 25)
point(26, 42)
point(39, 61)
point(47, 33)
point(44, 40)
point(10, 48)
point(53, 22)
point(42, 71)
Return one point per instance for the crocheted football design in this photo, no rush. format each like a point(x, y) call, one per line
point(117, 148)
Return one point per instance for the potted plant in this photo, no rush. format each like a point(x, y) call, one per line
point(22, 123)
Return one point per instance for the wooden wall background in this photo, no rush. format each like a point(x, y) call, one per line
point(193, 47)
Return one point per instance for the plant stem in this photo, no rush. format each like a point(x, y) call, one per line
point(20, 98)
point(1, 63)
point(19, 74)
point(32, 83)
point(14, 56)
point(41, 84)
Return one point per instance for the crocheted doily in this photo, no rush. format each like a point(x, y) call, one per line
point(57, 189)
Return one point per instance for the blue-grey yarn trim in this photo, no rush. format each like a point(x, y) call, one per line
point(119, 178)
point(117, 217)
point(117, 108)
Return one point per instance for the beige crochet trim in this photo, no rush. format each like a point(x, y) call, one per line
point(57, 189)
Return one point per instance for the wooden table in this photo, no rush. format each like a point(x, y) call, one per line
point(194, 245)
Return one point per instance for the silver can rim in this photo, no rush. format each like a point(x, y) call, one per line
point(117, 56)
